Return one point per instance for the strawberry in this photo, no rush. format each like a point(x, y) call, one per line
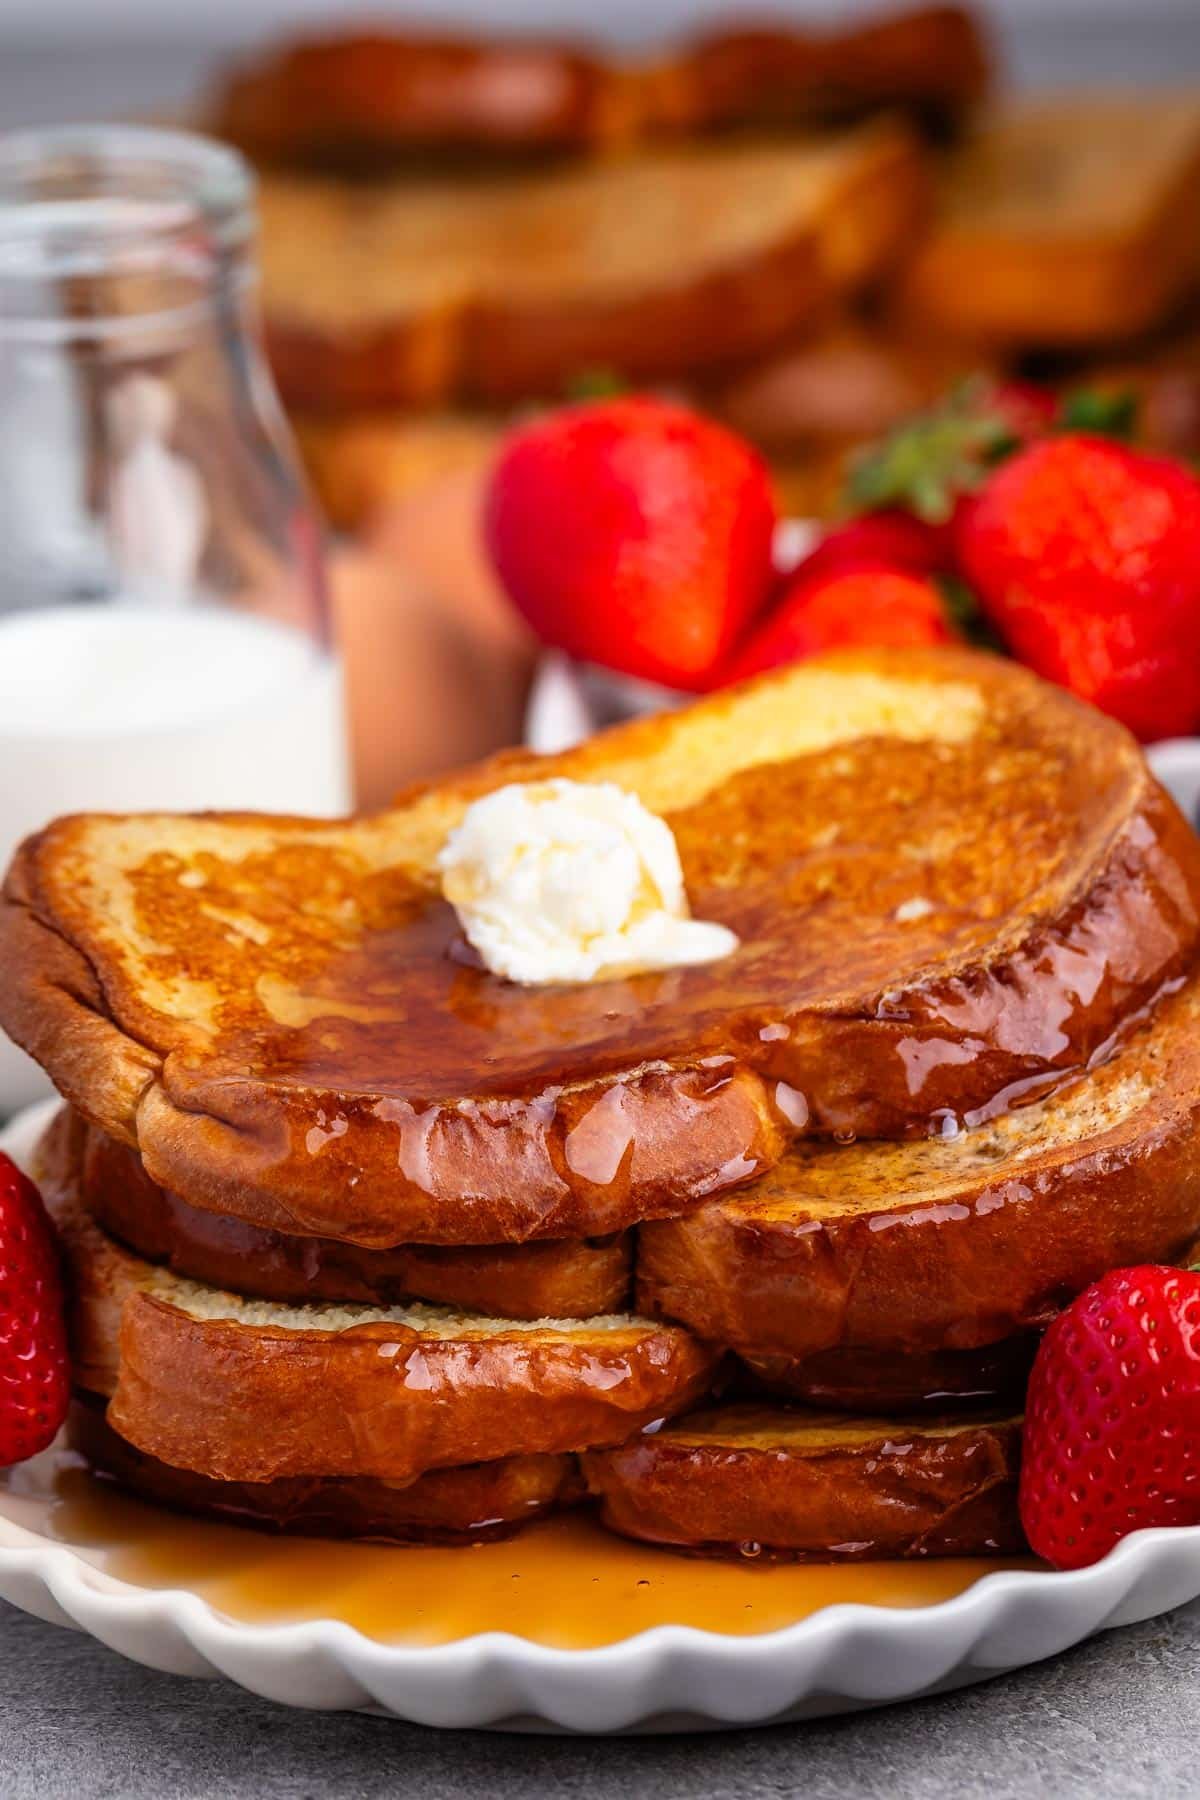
point(891, 539)
point(928, 464)
point(34, 1382)
point(881, 607)
point(1112, 1416)
point(1085, 556)
point(635, 534)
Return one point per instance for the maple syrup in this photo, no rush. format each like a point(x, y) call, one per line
point(361, 1080)
point(332, 1010)
point(563, 1582)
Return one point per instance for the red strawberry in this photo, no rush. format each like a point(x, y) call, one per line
point(879, 540)
point(635, 534)
point(879, 607)
point(1085, 556)
point(929, 464)
point(1028, 411)
point(1112, 1416)
point(34, 1381)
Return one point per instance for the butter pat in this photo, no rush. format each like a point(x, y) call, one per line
point(568, 881)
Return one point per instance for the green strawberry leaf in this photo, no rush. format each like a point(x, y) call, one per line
point(1102, 412)
point(927, 463)
point(598, 383)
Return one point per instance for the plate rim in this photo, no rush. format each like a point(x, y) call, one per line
point(1037, 1613)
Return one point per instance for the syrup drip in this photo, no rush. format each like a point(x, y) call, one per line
point(564, 1582)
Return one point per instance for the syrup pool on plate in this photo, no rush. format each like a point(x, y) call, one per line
point(563, 1582)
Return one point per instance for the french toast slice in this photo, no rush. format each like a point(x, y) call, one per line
point(953, 886)
point(776, 1482)
point(568, 1278)
point(850, 1379)
point(473, 1503)
point(364, 100)
point(258, 1391)
point(427, 292)
point(370, 99)
point(1065, 220)
point(945, 1244)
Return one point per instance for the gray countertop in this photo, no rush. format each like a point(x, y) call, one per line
point(1115, 1719)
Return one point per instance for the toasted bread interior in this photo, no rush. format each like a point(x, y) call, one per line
point(1065, 220)
point(432, 291)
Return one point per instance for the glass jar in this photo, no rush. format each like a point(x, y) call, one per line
point(164, 634)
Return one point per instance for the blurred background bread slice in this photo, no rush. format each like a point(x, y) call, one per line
point(1066, 220)
point(372, 97)
point(426, 291)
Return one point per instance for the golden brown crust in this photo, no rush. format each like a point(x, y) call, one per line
point(357, 99)
point(757, 1481)
point(368, 98)
point(379, 1400)
point(252, 1391)
point(849, 1379)
point(499, 1172)
point(472, 1503)
point(1011, 900)
point(558, 1279)
point(931, 59)
point(56, 1010)
point(932, 1247)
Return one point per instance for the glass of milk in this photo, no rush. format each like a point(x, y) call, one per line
point(163, 626)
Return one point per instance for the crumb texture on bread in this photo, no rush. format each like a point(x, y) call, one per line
point(927, 858)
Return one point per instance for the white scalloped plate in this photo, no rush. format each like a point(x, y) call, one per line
point(672, 1677)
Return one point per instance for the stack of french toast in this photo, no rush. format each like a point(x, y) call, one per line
point(454, 228)
point(810, 233)
point(751, 1256)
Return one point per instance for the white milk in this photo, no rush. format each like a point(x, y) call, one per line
point(122, 708)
